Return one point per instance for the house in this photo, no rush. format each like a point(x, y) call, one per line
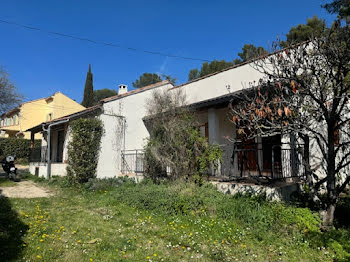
point(15, 122)
point(125, 131)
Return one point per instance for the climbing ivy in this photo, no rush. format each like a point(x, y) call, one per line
point(83, 149)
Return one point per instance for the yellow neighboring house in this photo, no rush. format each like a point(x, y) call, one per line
point(14, 122)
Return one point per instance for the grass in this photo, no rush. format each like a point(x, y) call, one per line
point(5, 182)
point(117, 220)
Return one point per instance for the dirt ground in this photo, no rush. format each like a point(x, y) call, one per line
point(25, 189)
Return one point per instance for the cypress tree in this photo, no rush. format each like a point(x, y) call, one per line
point(88, 99)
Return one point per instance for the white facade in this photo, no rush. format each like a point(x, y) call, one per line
point(124, 129)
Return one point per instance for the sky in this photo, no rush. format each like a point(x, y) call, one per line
point(41, 64)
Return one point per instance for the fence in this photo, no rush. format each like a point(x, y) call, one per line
point(132, 161)
point(266, 160)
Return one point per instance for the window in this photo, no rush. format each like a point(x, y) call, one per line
point(203, 130)
point(14, 120)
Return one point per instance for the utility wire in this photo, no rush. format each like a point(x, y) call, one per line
point(102, 43)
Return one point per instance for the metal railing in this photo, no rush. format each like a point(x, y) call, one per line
point(262, 160)
point(38, 154)
point(132, 161)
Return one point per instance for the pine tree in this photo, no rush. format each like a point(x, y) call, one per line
point(88, 99)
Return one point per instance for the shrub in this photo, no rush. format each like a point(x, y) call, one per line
point(175, 143)
point(178, 198)
point(17, 146)
point(83, 149)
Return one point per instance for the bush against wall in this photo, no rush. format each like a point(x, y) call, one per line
point(175, 142)
point(83, 149)
point(17, 146)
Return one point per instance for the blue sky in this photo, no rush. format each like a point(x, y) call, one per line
point(40, 64)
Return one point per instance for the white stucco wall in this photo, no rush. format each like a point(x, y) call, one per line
point(216, 85)
point(57, 169)
point(123, 113)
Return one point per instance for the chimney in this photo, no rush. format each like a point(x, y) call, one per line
point(122, 89)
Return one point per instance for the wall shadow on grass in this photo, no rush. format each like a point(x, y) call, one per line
point(12, 230)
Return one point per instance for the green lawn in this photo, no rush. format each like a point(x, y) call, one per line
point(5, 182)
point(117, 220)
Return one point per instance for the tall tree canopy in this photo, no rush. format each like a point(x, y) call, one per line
point(249, 51)
point(147, 79)
point(339, 7)
point(208, 68)
point(9, 97)
point(88, 99)
point(103, 93)
point(314, 27)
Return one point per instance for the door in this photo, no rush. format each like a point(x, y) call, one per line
point(60, 144)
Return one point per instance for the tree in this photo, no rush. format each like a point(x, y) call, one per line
point(209, 68)
point(88, 99)
point(339, 7)
point(175, 143)
point(306, 91)
point(193, 74)
point(249, 51)
point(103, 93)
point(169, 78)
point(146, 79)
point(314, 27)
point(9, 97)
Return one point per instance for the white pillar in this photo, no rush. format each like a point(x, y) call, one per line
point(213, 126)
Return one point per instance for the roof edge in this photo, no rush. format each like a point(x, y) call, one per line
point(242, 64)
point(136, 91)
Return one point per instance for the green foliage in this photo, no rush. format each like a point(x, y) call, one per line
point(83, 149)
point(175, 221)
point(96, 184)
point(209, 68)
point(193, 74)
point(103, 93)
point(314, 27)
point(17, 146)
point(146, 79)
point(339, 7)
point(170, 78)
point(249, 51)
point(175, 142)
point(88, 99)
point(179, 198)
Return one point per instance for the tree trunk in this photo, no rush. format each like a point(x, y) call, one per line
point(331, 180)
point(328, 217)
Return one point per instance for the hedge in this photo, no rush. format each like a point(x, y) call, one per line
point(83, 149)
point(16, 146)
